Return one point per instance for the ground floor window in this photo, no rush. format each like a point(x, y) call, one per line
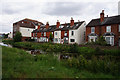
point(72, 40)
point(65, 39)
point(43, 39)
point(92, 38)
point(56, 39)
point(119, 41)
point(109, 40)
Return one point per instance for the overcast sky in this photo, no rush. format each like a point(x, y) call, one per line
point(52, 10)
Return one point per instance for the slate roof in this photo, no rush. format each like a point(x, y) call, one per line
point(92, 34)
point(65, 27)
point(109, 34)
point(107, 21)
point(28, 23)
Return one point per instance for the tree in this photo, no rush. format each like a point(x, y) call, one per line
point(51, 37)
point(17, 37)
point(5, 35)
point(101, 41)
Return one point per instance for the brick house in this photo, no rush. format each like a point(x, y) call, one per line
point(72, 32)
point(42, 34)
point(25, 26)
point(108, 27)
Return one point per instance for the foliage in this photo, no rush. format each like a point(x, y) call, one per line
point(19, 64)
point(17, 37)
point(74, 48)
point(51, 37)
point(5, 35)
point(100, 41)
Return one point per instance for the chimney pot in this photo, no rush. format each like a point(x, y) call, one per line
point(47, 25)
point(102, 11)
point(57, 24)
point(71, 18)
point(71, 22)
point(102, 16)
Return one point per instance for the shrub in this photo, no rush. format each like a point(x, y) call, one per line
point(17, 37)
point(51, 37)
point(74, 48)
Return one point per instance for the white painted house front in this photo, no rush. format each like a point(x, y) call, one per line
point(57, 36)
point(26, 32)
point(25, 27)
point(77, 35)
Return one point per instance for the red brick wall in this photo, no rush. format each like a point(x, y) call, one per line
point(38, 35)
point(88, 31)
point(62, 34)
point(32, 34)
point(100, 30)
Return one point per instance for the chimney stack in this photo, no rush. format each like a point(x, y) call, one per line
point(102, 16)
point(47, 25)
point(57, 24)
point(71, 22)
point(107, 15)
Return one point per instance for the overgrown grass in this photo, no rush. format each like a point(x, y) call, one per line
point(17, 63)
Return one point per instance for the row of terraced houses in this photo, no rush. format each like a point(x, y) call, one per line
point(73, 32)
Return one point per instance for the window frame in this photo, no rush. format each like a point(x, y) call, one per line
point(92, 28)
point(108, 28)
point(72, 33)
point(72, 39)
point(119, 28)
point(55, 33)
point(65, 33)
point(44, 33)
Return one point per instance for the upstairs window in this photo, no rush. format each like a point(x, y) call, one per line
point(36, 34)
point(41, 33)
point(119, 27)
point(55, 33)
point(72, 33)
point(108, 29)
point(44, 33)
point(92, 29)
point(65, 34)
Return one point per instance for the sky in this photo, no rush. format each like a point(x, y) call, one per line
point(50, 11)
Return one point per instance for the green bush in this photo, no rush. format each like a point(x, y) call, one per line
point(74, 48)
point(17, 37)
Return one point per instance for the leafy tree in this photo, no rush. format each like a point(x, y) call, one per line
point(51, 37)
point(5, 35)
point(17, 37)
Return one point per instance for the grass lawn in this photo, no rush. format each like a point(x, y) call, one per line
point(17, 63)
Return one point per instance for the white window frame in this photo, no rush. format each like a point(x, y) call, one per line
point(44, 33)
point(92, 28)
point(92, 37)
point(65, 34)
point(108, 28)
point(111, 37)
point(55, 33)
point(72, 34)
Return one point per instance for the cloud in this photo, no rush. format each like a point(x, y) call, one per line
point(75, 8)
point(15, 10)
